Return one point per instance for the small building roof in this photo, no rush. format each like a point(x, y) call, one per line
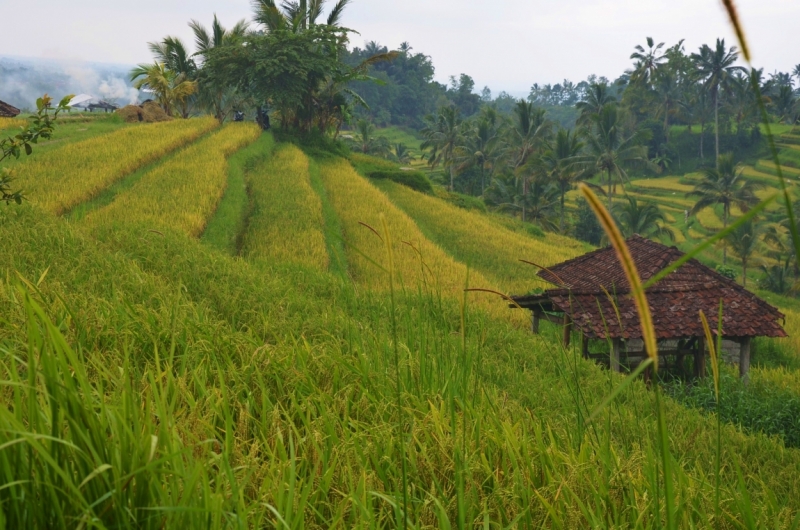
point(8, 111)
point(593, 290)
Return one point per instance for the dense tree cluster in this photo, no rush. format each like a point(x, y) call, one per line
point(289, 63)
point(671, 108)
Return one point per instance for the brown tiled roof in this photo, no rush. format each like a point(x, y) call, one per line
point(588, 284)
point(7, 111)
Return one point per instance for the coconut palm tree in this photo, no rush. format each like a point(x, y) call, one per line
point(401, 154)
point(296, 16)
point(481, 149)
point(744, 241)
point(559, 164)
point(367, 142)
point(724, 185)
point(175, 55)
point(645, 219)
point(221, 100)
point(647, 61)
point(539, 199)
point(443, 134)
point(715, 67)
point(785, 104)
point(529, 132)
point(169, 88)
point(669, 95)
point(796, 72)
point(777, 278)
point(596, 98)
point(611, 150)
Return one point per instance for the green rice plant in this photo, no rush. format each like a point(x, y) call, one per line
point(359, 206)
point(224, 230)
point(60, 179)
point(184, 192)
point(273, 396)
point(286, 220)
point(479, 241)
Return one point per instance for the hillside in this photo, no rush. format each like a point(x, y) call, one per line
point(202, 326)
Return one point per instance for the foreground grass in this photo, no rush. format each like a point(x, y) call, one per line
point(154, 382)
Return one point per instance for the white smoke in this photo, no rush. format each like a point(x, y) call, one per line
point(22, 80)
point(116, 89)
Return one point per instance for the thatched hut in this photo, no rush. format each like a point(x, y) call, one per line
point(592, 296)
point(8, 111)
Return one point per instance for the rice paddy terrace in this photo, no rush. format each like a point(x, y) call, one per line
point(201, 326)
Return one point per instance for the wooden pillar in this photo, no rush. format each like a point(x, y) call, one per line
point(616, 347)
point(567, 329)
point(744, 360)
point(536, 315)
point(585, 347)
point(700, 358)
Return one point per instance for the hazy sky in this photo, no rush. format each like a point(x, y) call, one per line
point(505, 44)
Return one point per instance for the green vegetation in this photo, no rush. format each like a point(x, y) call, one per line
point(209, 326)
point(225, 228)
point(415, 180)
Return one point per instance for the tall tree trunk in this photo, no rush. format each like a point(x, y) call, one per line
point(744, 272)
point(724, 226)
point(609, 190)
point(452, 177)
point(561, 221)
point(716, 129)
point(702, 134)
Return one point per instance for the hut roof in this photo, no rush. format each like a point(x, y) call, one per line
point(8, 111)
point(593, 290)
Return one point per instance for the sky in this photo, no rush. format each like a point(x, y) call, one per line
point(504, 44)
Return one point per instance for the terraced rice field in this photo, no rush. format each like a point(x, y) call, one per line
point(157, 380)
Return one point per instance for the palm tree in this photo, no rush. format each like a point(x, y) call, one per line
point(175, 55)
point(596, 98)
point(645, 219)
point(169, 88)
point(610, 150)
point(443, 134)
point(539, 199)
point(744, 242)
point(481, 148)
point(777, 278)
point(528, 133)
point(402, 154)
point(669, 95)
point(785, 105)
point(367, 142)
point(559, 165)
point(796, 72)
point(647, 61)
point(724, 185)
point(716, 67)
point(296, 16)
point(219, 99)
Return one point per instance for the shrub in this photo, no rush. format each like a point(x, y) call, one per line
point(416, 180)
point(726, 271)
point(759, 407)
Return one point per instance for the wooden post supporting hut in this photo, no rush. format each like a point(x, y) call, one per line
point(592, 296)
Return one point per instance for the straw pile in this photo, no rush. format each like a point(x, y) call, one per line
point(147, 112)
